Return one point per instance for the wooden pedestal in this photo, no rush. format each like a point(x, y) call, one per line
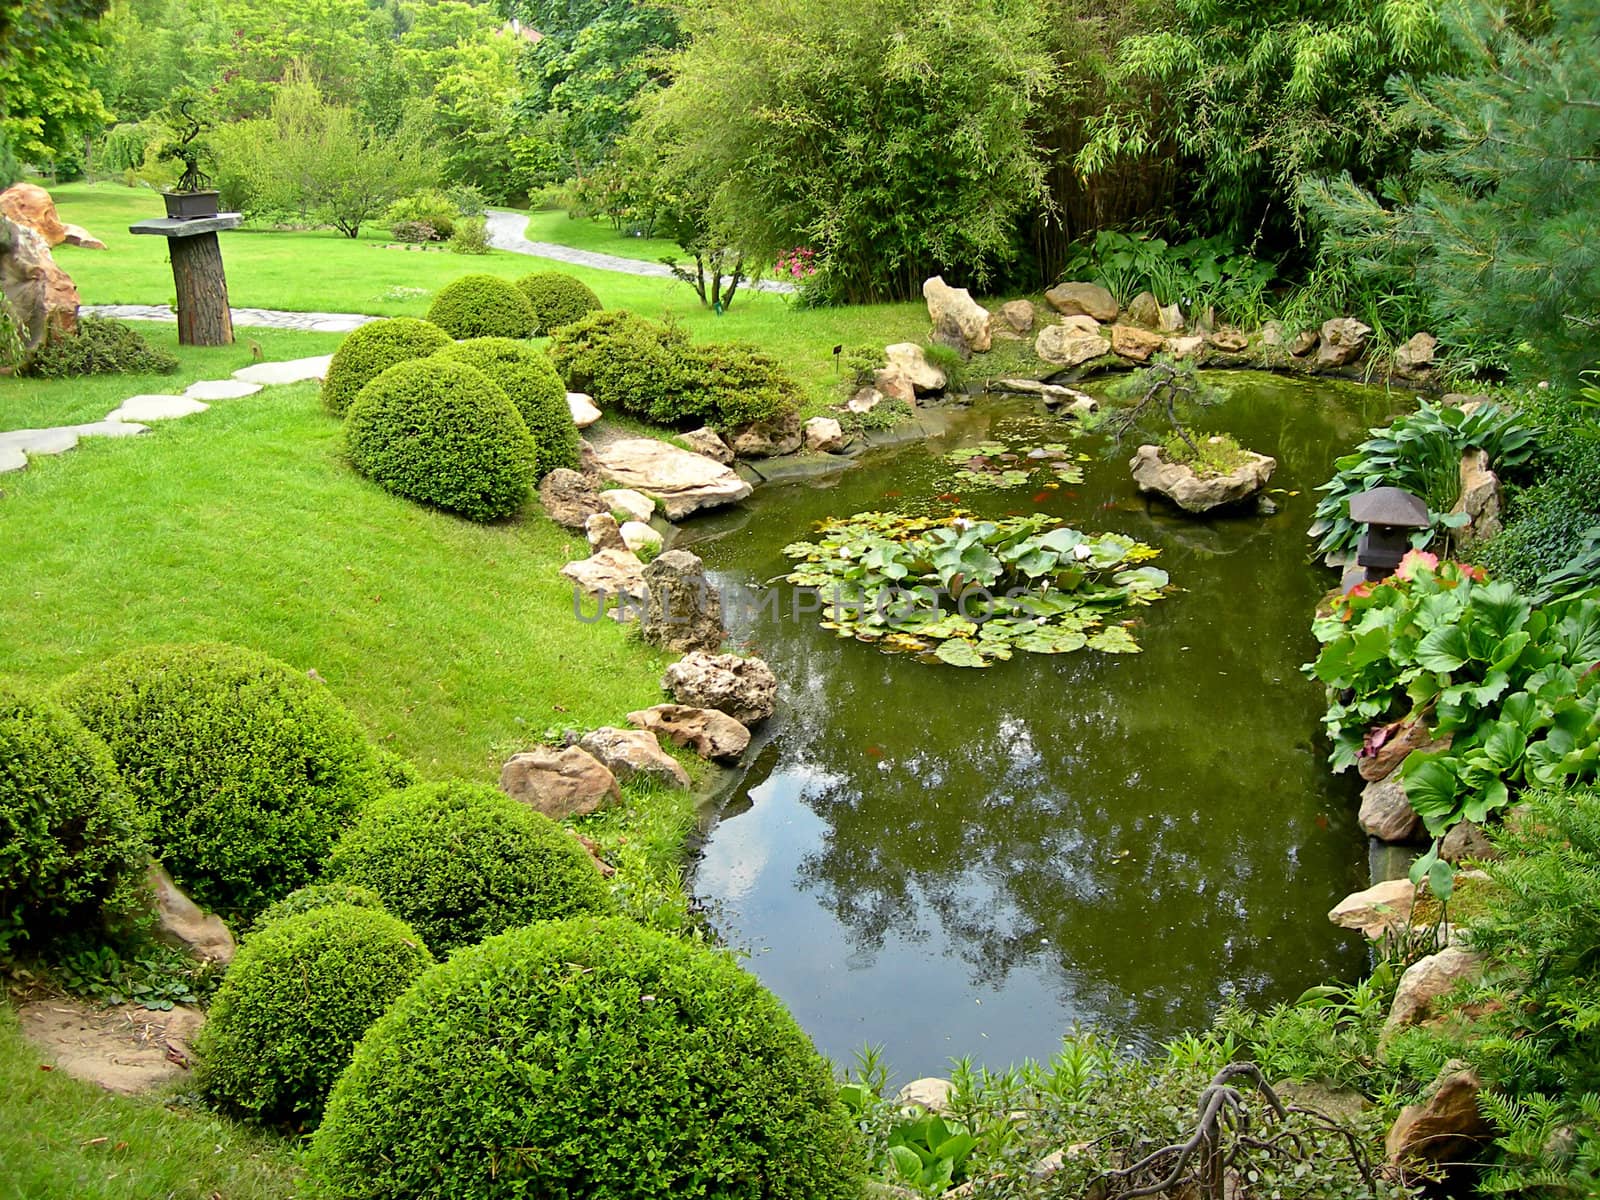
point(202, 288)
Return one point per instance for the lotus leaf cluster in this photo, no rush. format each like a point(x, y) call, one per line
point(998, 465)
point(969, 592)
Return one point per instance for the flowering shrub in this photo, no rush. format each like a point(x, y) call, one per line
point(798, 264)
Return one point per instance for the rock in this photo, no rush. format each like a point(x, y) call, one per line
point(865, 400)
point(582, 407)
point(1397, 740)
point(1053, 394)
point(1426, 980)
point(569, 499)
point(911, 360)
point(683, 611)
point(1466, 842)
point(1186, 347)
point(77, 235)
point(57, 440)
point(1378, 909)
point(1274, 334)
point(1144, 309)
point(221, 389)
point(610, 574)
point(708, 441)
point(1448, 1127)
point(156, 408)
point(1303, 343)
point(1343, 341)
point(1171, 319)
point(1229, 341)
point(684, 482)
point(1479, 500)
point(592, 848)
point(1386, 814)
point(1069, 346)
point(1199, 493)
point(960, 319)
point(744, 688)
point(930, 1093)
point(1134, 343)
point(1343, 1105)
point(629, 752)
point(40, 294)
point(768, 439)
point(569, 782)
point(1415, 359)
point(639, 538)
point(709, 733)
point(296, 370)
point(824, 435)
point(631, 504)
point(30, 205)
point(1019, 315)
point(603, 534)
point(894, 385)
point(11, 459)
point(1089, 299)
point(180, 921)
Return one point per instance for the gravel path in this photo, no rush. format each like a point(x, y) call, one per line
point(266, 318)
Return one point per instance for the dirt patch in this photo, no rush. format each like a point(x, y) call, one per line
point(124, 1048)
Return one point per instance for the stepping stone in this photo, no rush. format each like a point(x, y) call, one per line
point(156, 408)
point(338, 324)
point(39, 441)
point(112, 429)
point(297, 370)
point(12, 459)
point(221, 389)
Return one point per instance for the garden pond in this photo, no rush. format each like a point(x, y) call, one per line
point(951, 861)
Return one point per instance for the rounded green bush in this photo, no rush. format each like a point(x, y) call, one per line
point(531, 383)
point(370, 351)
point(317, 895)
point(591, 1058)
point(70, 839)
point(558, 299)
point(442, 433)
point(294, 1003)
point(244, 769)
point(483, 306)
point(462, 861)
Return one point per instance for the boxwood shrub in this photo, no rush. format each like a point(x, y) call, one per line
point(531, 383)
point(70, 838)
point(244, 769)
point(317, 895)
point(294, 1003)
point(558, 299)
point(483, 306)
point(587, 1057)
point(442, 433)
point(654, 371)
point(370, 351)
point(462, 861)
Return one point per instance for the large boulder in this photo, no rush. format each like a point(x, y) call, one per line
point(612, 573)
point(709, 733)
point(1415, 359)
point(1134, 343)
point(1089, 299)
point(894, 385)
point(824, 435)
point(1198, 493)
point(569, 499)
point(958, 319)
point(629, 752)
point(182, 923)
point(1344, 339)
point(683, 611)
point(744, 688)
point(1069, 345)
point(1386, 812)
point(569, 782)
point(1479, 501)
point(708, 441)
point(1428, 980)
point(29, 204)
point(684, 482)
point(41, 294)
point(1018, 315)
point(911, 360)
point(634, 506)
point(1144, 309)
point(768, 439)
point(1377, 910)
point(1447, 1127)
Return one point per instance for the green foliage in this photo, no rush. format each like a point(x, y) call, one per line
point(531, 383)
point(471, 236)
point(462, 862)
point(1198, 274)
point(885, 414)
point(1513, 685)
point(99, 347)
point(297, 998)
point(316, 895)
point(183, 122)
point(131, 970)
point(926, 1152)
point(1418, 453)
point(618, 1062)
point(442, 433)
point(558, 299)
point(654, 371)
point(48, 103)
point(244, 769)
point(483, 306)
point(70, 840)
point(1216, 454)
point(430, 207)
point(371, 350)
point(968, 593)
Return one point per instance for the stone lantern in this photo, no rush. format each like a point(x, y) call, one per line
point(1390, 515)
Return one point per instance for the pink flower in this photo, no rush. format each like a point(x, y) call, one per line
point(1414, 559)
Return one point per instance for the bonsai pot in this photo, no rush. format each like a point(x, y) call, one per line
point(185, 206)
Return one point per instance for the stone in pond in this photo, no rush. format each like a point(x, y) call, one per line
point(1386, 812)
point(911, 360)
point(629, 752)
point(683, 481)
point(708, 441)
point(564, 783)
point(744, 688)
point(709, 733)
point(824, 435)
point(1194, 492)
point(1379, 909)
point(768, 439)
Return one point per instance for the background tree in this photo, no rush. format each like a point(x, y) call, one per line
point(48, 102)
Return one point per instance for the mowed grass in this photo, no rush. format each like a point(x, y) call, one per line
point(65, 1138)
point(596, 234)
point(38, 403)
point(322, 271)
point(454, 643)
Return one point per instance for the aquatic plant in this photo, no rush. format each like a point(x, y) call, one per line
point(998, 465)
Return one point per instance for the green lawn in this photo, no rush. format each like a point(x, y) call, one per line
point(553, 225)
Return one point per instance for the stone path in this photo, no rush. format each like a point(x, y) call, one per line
point(129, 418)
point(260, 318)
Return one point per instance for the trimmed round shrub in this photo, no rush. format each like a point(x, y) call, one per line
point(483, 306)
point(558, 299)
point(318, 895)
point(370, 351)
point(442, 433)
point(244, 769)
point(531, 383)
point(70, 840)
point(294, 1003)
point(462, 861)
point(590, 1058)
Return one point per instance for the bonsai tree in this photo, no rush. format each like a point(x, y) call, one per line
point(1161, 391)
point(185, 120)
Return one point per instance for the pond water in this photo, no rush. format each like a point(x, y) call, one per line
point(949, 862)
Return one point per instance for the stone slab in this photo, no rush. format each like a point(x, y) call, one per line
point(178, 227)
point(111, 429)
point(295, 370)
point(221, 389)
point(40, 441)
point(156, 408)
point(12, 459)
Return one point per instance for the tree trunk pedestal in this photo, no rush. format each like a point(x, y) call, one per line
point(203, 315)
